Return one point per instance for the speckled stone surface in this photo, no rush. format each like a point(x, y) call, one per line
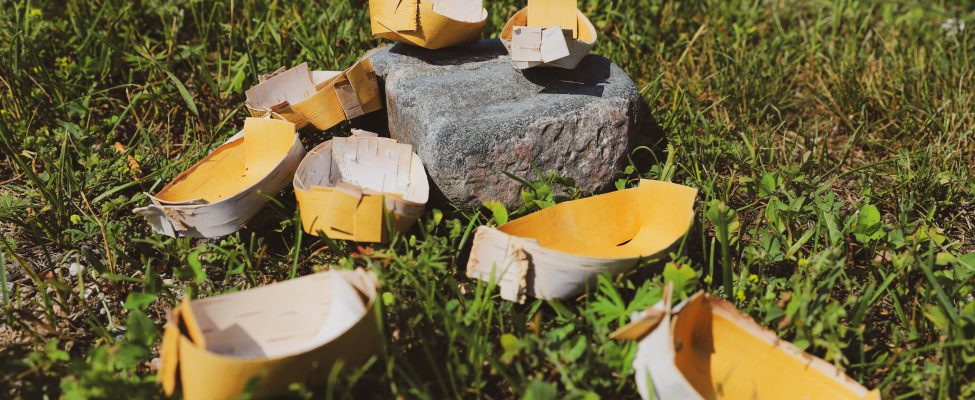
point(471, 117)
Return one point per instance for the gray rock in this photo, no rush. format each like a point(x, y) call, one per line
point(471, 117)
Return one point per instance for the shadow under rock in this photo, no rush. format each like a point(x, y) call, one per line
point(437, 198)
point(648, 146)
point(376, 121)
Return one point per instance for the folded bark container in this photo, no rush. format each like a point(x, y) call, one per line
point(219, 194)
point(559, 251)
point(275, 335)
point(432, 24)
point(322, 99)
point(548, 33)
point(360, 187)
point(704, 348)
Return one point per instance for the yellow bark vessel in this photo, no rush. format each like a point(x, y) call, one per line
point(322, 99)
point(559, 251)
point(270, 337)
point(523, 35)
point(219, 194)
point(432, 24)
point(360, 187)
point(704, 348)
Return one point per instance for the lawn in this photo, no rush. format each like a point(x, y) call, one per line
point(831, 141)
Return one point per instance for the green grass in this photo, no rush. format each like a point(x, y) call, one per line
point(832, 143)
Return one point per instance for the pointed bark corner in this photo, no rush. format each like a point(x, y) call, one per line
point(705, 348)
point(287, 332)
point(431, 24)
point(548, 33)
point(558, 252)
point(358, 188)
point(322, 99)
point(220, 193)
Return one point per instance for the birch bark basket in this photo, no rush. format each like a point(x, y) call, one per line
point(558, 252)
point(704, 348)
point(283, 333)
point(219, 194)
point(431, 24)
point(322, 99)
point(361, 188)
point(566, 42)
